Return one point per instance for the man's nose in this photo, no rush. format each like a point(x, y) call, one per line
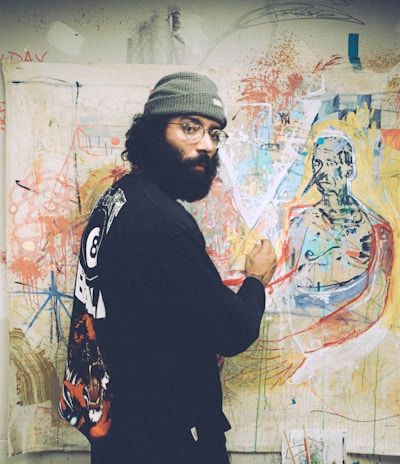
point(206, 143)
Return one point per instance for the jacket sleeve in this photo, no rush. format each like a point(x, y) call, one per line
point(229, 321)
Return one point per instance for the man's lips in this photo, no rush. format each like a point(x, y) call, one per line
point(198, 168)
point(200, 164)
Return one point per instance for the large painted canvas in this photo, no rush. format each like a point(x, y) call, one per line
point(312, 162)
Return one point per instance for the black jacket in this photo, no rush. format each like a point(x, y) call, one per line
point(167, 315)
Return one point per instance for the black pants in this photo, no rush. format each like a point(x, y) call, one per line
point(170, 447)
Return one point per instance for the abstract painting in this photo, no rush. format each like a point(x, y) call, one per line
point(312, 163)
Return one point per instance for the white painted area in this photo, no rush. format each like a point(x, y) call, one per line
point(65, 39)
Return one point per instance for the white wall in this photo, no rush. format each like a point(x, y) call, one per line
point(132, 31)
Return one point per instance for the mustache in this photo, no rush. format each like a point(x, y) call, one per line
point(201, 160)
point(210, 164)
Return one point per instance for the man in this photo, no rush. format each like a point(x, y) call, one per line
point(162, 315)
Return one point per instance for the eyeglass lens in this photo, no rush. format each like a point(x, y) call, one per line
point(195, 132)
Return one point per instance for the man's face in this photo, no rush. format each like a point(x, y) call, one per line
point(193, 135)
point(330, 171)
point(192, 165)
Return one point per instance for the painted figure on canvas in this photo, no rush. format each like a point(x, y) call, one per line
point(337, 255)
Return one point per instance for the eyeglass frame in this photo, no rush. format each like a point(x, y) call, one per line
point(218, 143)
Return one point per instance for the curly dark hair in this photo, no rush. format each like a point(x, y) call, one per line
point(146, 135)
point(149, 152)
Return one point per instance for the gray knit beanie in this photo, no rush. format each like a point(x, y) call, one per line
point(186, 93)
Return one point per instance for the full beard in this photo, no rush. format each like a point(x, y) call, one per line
point(187, 179)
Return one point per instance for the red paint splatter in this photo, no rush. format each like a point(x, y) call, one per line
point(27, 271)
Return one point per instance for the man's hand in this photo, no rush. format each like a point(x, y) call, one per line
point(261, 262)
point(220, 361)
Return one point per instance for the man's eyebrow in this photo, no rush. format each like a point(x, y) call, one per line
point(195, 119)
point(190, 118)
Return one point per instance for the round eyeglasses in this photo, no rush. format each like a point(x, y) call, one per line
point(195, 132)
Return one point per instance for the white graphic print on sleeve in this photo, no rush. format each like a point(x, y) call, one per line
point(100, 222)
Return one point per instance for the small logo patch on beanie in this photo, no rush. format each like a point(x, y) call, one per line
point(217, 102)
